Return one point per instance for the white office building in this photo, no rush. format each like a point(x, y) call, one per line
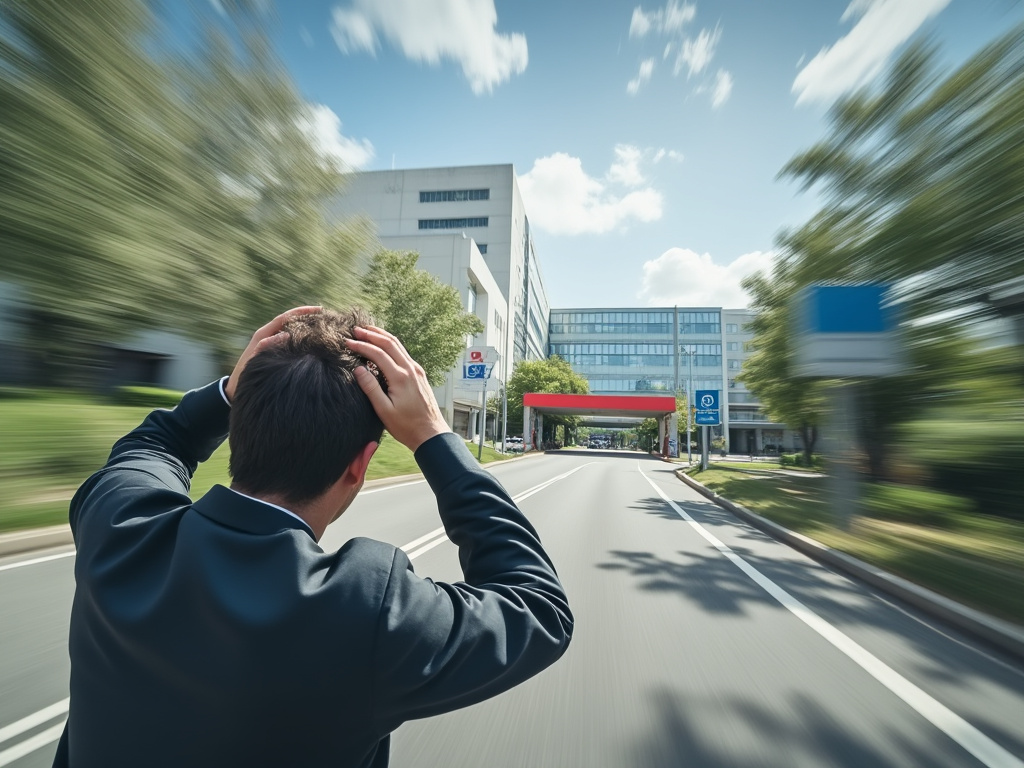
point(432, 211)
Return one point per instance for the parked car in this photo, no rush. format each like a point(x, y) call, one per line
point(513, 445)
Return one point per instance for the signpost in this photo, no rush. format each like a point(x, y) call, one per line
point(479, 364)
point(708, 414)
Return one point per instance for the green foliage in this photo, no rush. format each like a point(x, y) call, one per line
point(801, 460)
point(921, 506)
point(141, 188)
point(424, 313)
point(146, 397)
point(552, 376)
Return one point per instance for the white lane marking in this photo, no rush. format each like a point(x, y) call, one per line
point(30, 745)
point(367, 492)
point(36, 718)
point(37, 741)
point(943, 718)
point(439, 536)
point(9, 566)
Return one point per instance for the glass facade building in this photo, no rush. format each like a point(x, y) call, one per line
point(662, 350)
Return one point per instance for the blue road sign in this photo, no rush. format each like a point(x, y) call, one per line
point(706, 404)
point(475, 371)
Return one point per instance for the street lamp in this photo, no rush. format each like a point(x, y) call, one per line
point(689, 408)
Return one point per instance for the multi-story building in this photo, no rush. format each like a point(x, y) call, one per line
point(424, 210)
point(669, 349)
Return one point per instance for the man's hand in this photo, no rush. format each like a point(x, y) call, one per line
point(408, 409)
point(263, 338)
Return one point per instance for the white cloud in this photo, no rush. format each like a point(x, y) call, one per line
point(626, 168)
point(324, 127)
point(721, 89)
point(646, 70)
point(671, 154)
point(686, 278)
point(697, 52)
point(431, 30)
point(672, 18)
point(858, 57)
point(563, 200)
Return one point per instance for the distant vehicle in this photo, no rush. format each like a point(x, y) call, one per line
point(514, 444)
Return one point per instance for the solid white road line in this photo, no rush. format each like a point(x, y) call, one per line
point(38, 718)
point(38, 741)
point(46, 559)
point(943, 718)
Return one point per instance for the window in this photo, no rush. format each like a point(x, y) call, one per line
point(480, 221)
point(734, 365)
point(482, 247)
point(732, 328)
point(732, 346)
point(454, 195)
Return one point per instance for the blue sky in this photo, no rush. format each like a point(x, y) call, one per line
point(647, 137)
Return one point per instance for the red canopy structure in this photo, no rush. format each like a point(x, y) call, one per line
point(660, 407)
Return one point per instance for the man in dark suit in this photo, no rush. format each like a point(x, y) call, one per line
point(218, 633)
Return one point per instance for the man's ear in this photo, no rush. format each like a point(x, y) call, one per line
point(355, 472)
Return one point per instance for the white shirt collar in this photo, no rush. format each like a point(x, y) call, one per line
point(275, 506)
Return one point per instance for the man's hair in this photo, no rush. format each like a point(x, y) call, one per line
point(298, 416)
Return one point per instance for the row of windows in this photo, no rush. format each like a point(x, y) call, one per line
point(702, 349)
point(454, 195)
point(647, 384)
point(636, 317)
point(600, 349)
point(479, 221)
point(612, 317)
point(715, 318)
point(748, 416)
point(687, 328)
point(482, 247)
point(632, 329)
point(639, 360)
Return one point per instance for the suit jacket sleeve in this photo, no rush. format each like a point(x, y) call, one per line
point(152, 466)
point(444, 646)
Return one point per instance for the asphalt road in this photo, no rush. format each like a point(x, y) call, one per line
point(699, 642)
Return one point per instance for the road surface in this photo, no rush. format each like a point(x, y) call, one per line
point(699, 641)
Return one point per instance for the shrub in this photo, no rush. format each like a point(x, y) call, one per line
point(146, 397)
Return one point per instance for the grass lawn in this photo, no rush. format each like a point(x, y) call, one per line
point(50, 442)
point(973, 558)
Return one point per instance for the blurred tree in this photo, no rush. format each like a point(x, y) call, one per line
point(142, 189)
point(424, 313)
point(922, 177)
point(552, 376)
point(768, 372)
point(89, 173)
point(647, 434)
point(268, 181)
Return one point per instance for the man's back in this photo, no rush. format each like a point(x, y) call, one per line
point(218, 633)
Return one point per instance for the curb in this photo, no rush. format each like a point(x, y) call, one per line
point(999, 633)
point(36, 538)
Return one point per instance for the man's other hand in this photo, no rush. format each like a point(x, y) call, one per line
point(408, 409)
point(263, 338)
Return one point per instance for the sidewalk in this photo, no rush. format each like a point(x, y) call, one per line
point(1001, 634)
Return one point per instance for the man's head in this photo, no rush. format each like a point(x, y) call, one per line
point(298, 416)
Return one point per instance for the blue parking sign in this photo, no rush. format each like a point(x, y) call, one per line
point(475, 371)
point(705, 402)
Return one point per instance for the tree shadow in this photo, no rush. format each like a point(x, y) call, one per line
point(795, 732)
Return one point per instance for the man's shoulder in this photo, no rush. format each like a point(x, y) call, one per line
point(361, 569)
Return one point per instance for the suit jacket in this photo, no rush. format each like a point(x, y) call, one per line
point(219, 633)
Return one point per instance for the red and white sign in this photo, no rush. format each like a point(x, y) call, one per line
point(477, 355)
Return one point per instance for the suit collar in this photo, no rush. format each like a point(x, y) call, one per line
point(224, 506)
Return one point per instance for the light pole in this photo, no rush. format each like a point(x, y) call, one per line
point(689, 408)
